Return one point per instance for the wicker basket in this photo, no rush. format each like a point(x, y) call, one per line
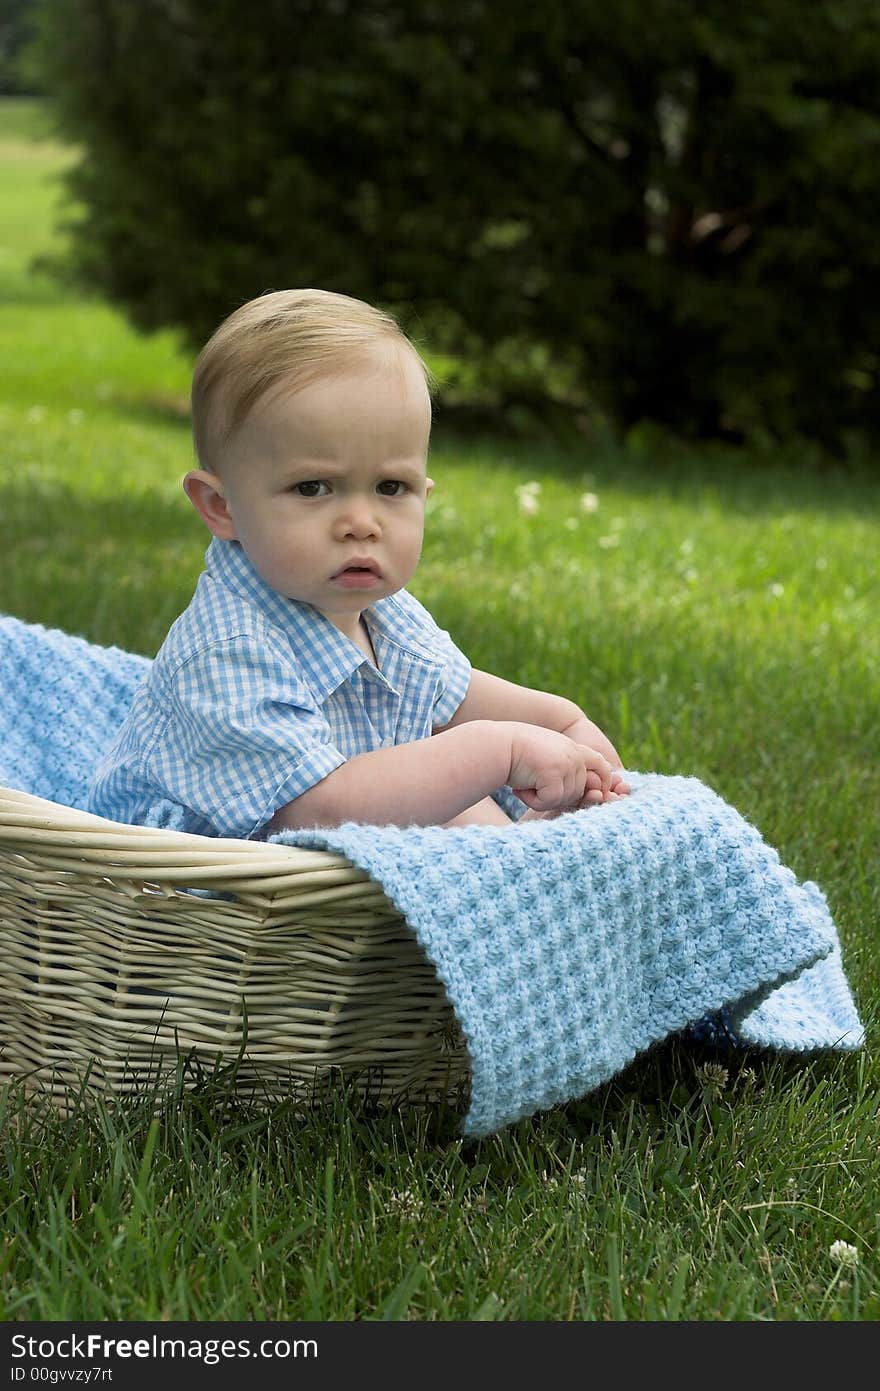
point(291, 961)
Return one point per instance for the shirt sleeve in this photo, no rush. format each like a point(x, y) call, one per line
point(244, 736)
point(508, 801)
point(454, 681)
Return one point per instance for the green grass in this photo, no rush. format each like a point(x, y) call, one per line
point(718, 616)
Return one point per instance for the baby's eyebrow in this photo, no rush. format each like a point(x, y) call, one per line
point(307, 469)
point(323, 468)
point(401, 470)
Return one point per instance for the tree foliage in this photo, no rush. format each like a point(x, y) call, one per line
point(665, 210)
point(18, 71)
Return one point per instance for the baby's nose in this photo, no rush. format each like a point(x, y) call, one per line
point(358, 518)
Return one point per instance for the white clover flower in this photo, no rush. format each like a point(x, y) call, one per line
point(528, 503)
point(571, 523)
point(691, 576)
point(776, 590)
point(36, 414)
point(407, 1204)
point(589, 502)
point(844, 1255)
point(608, 542)
point(76, 417)
point(713, 1076)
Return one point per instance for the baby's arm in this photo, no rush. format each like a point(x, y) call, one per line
point(436, 780)
point(489, 697)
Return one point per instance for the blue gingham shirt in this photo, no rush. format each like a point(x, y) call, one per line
point(253, 698)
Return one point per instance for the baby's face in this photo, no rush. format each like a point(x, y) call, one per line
point(331, 478)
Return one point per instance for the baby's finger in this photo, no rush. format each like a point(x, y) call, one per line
point(599, 764)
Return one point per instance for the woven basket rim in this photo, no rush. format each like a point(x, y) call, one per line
point(33, 822)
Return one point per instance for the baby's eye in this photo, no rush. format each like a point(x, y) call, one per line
point(310, 488)
point(391, 487)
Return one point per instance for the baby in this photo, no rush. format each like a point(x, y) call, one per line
point(303, 685)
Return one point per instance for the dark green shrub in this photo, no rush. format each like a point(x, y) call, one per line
point(19, 74)
point(661, 209)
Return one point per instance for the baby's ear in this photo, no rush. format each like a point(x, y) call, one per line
point(429, 483)
point(205, 492)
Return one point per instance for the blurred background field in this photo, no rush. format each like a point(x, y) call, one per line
point(715, 610)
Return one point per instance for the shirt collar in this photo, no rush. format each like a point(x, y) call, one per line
point(326, 655)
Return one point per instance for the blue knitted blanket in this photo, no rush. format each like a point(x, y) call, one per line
point(566, 947)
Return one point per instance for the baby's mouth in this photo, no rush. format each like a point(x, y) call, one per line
point(355, 568)
point(357, 574)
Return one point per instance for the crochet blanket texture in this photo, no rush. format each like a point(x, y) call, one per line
point(566, 947)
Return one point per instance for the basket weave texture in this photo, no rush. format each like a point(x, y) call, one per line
point(126, 948)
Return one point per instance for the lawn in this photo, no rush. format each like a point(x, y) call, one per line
point(717, 615)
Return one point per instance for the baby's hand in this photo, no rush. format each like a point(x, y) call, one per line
point(617, 789)
point(550, 772)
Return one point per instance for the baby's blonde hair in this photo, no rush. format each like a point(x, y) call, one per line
point(285, 335)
